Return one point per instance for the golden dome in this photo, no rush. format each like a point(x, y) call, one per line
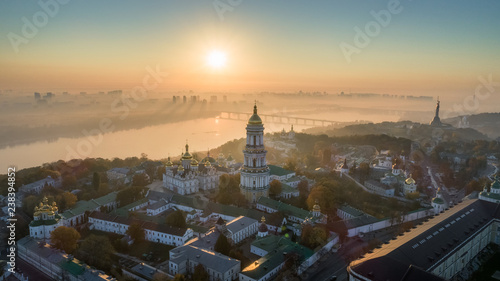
point(207, 164)
point(180, 168)
point(169, 163)
point(316, 207)
point(410, 180)
point(194, 162)
point(255, 119)
point(187, 155)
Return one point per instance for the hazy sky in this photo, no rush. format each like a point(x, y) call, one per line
point(427, 47)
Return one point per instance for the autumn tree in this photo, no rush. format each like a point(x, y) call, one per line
point(313, 237)
point(136, 232)
point(323, 195)
point(176, 219)
point(65, 238)
point(161, 277)
point(222, 245)
point(180, 277)
point(68, 200)
point(275, 189)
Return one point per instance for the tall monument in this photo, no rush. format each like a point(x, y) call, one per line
point(254, 176)
point(436, 122)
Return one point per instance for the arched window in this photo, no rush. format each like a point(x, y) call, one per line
point(254, 140)
point(254, 162)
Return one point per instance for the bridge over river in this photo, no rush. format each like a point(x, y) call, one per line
point(278, 119)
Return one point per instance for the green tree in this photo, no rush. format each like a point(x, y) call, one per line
point(275, 189)
point(200, 274)
point(222, 245)
point(96, 251)
point(29, 204)
point(65, 238)
point(140, 179)
point(176, 219)
point(129, 195)
point(136, 232)
point(96, 181)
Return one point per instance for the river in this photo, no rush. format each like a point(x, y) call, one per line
point(156, 141)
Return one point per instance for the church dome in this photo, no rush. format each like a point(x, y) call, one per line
point(410, 181)
point(194, 162)
point(187, 155)
point(208, 164)
point(169, 162)
point(255, 119)
point(263, 226)
point(180, 168)
point(316, 207)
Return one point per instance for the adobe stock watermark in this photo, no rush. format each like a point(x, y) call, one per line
point(484, 89)
point(363, 37)
point(30, 28)
point(223, 6)
point(122, 105)
point(471, 103)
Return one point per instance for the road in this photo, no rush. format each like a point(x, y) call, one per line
point(331, 264)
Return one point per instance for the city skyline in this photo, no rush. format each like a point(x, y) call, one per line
point(422, 48)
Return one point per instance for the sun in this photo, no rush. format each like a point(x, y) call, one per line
point(216, 59)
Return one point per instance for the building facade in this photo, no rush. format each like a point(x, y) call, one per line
point(45, 219)
point(254, 174)
point(190, 176)
point(436, 250)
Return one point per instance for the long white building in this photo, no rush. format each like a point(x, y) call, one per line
point(436, 250)
point(159, 233)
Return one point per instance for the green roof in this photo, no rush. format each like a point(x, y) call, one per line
point(438, 201)
point(34, 223)
point(292, 179)
point(123, 211)
point(106, 199)
point(82, 206)
point(491, 195)
point(495, 184)
point(285, 188)
point(278, 171)
point(351, 210)
point(75, 267)
point(276, 257)
point(287, 209)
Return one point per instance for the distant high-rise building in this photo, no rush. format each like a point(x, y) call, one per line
point(224, 98)
point(184, 99)
point(254, 176)
point(436, 122)
point(37, 96)
point(213, 99)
